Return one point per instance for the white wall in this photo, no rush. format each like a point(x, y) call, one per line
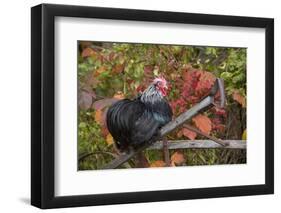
point(15, 105)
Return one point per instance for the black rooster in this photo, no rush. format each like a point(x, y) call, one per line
point(135, 122)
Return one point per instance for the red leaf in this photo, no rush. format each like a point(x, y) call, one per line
point(203, 123)
point(219, 111)
point(206, 76)
point(206, 81)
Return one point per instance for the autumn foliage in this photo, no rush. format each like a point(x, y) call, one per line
point(109, 72)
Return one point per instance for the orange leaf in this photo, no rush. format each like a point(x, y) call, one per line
point(109, 139)
point(99, 71)
point(179, 134)
point(189, 134)
point(118, 68)
point(203, 123)
point(239, 98)
point(177, 158)
point(99, 117)
point(104, 132)
point(158, 163)
point(119, 95)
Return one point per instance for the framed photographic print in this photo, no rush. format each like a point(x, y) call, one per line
point(139, 106)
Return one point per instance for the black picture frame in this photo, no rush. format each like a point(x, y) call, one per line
point(43, 102)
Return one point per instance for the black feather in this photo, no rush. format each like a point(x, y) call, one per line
point(134, 122)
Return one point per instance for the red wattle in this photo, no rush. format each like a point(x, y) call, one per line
point(163, 91)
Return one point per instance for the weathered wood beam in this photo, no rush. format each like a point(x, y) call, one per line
point(182, 118)
point(199, 144)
